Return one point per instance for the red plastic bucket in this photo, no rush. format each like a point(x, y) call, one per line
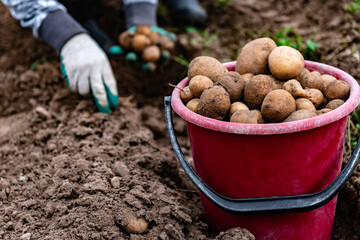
point(267, 161)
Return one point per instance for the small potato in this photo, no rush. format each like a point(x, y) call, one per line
point(193, 105)
point(323, 111)
point(125, 39)
point(253, 57)
point(277, 106)
point(313, 80)
point(315, 96)
point(154, 37)
point(207, 66)
point(140, 42)
point(237, 106)
point(151, 54)
point(303, 103)
point(214, 102)
point(300, 115)
point(286, 62)
point(260, 119)
point(198, 84)
point(333, 104)
point(247, 77)
point(294, 88)
point(303, 73)
point(256, 90)
point(166, 43)
point(186, 95)
point(244, 116)
point(143, 29)
point(337, 90)
point(234, 84)
point(136, 225)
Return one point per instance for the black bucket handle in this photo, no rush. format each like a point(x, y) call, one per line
point(262, 205)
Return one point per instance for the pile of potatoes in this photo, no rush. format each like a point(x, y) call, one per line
point(269, 85)
point(148, 44)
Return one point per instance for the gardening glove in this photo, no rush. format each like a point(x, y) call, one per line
point(86, 68)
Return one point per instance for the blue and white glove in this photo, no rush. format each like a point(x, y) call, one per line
point(87, 69)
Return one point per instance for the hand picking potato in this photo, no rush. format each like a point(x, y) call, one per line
point(214, 102)
point(256, 90)
point(300, 115)
point(337, 90)
point(207, 66)
point(198, 84)
point(237, 106)
point(253, 57)
point(294, 88)
point(234, 84)
point(244, 116)
point(186, 95)
point(143, 29)
point(277, 105)
point(193, 105)
point(286, 62)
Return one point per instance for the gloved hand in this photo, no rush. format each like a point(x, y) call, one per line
point(86, 68)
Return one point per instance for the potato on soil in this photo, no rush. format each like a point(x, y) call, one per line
point(140, 42)
point(151, 54)
point(244, 116)
point(315, 96)
point(186, 95)
point(256, 90)
point(277, 106)
point(286, 62)
point(136, 225)
point(294, 88)
point(207, 66)
point(198, 84)
point(143, 29)
point(237, 106)
point(125, 39)
point(333, 104)
point(193, 105)
point(214, 102)
point(253, 57)
point(337, 90)
point(234, 84)
point(260, 119)
point(303, 103)
point(166, 43)
point(323, 111)
point(300, 115)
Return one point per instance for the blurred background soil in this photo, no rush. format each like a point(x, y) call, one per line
point(69, 172)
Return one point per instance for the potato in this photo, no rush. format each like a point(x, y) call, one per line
point(244, 116)
point(333, 104)
point(253, 57)
point(186, 95)
point(140, 42)
point(260, 119)
point(313, 80)
point(125, 39)
point(294, 88)
point(277, 106)
point(256, 89)
point(136, 225)
point(166, 43)
point(234, 84)
point(154, 37)
point(247, 77)
point(315, 96)
point(302, 74)
point(143, 29)
point(237, 106)
point(337, 90)
point(151, 54)
point(198, 84)
point(193, 105)
point(327, 79)
point(207, 66)
point(303, 103)
point(323, 111)
point(278, 84)
point(286, 62)
point(300, 115)
point(214, 102)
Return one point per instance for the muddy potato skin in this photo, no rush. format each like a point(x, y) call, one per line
point(136, 225)
point(247, 77)
point(151, 54)
point(198, 84)
point(303, 103)
point(323, 111)
point(140, 42)
point(337, 90)
point(327, 79)
point(260, 119)
point(234, 84)
point(214, 102)
point(207, 66)
point(300, 115)
point(256, 90)
point(286, 62)
point(244, 116)
point(237, 106)
point(302, 74)
point(125, 39)
point(193, 105)
point(313, 80)
point(333, 104)
point(186, 95)
point(253, 57)
point(315, 96)
point(294, 88)
point(277, 106)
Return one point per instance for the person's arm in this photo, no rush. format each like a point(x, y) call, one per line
point(140, 12)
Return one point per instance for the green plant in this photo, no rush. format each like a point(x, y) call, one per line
point(201, 37)
point(221, 4)
point(353, 130)
point(352, 7)
point(38, 62)
point(184, 62)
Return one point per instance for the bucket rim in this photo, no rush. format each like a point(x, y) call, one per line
point(273, 128)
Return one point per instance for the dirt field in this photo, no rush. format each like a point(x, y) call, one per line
point(69, 172)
